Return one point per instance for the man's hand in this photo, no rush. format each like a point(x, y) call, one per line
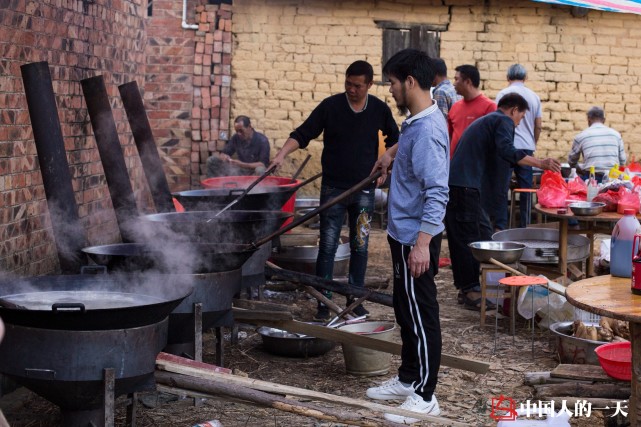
point(419, 257)
point(383, 164)
point(550, 164)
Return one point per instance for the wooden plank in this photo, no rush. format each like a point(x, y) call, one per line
point(259, 305)
point(580, 389)
point(168, 358)
point(186, 369)
point(581, 372)
point(371, 343)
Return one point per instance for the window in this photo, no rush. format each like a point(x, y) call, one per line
point(398, 36)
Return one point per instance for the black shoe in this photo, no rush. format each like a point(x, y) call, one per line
point(322, 315)
point(359, 310)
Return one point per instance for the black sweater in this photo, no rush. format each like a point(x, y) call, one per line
point(350, 140)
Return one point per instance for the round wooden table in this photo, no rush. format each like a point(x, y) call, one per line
point(611, 296)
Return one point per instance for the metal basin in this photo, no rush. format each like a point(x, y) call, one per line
point(586, 208)
point(572, 349)
point(283, 343)
point(542, 244)
point(505, 252)
point(298, 252)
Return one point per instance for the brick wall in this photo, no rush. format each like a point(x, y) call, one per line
point(290, 55)
point(78, 40)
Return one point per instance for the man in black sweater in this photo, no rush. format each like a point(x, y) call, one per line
point(350, 122)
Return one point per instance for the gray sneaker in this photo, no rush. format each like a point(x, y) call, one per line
point(415, 403)
point(390, 390)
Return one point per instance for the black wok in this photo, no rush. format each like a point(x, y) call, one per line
point(91, 302)
point(262, 197)
point(230, 226)
point(186, 258)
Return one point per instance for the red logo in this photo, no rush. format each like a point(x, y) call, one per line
point(503, 409)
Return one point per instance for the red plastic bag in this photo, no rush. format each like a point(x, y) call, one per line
point(578, 187)
point(610, 198)
point(627, 200)
point(553, 191)
point(634, 166)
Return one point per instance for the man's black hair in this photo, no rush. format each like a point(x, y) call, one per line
point(411, 62)
point(244, 120)
point(361, 68)
point(470, 72)
point(440, 69)
point(512, 100)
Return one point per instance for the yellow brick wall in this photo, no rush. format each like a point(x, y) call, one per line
point(288, 55)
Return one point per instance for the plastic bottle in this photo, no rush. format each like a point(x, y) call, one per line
point(572, 174)
point(614, 171)
point(621, 244)
point(593, 187)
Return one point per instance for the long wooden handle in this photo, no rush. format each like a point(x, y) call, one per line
point(248, 189)
point(364, 183)
point(552, 286)
point(300, 168)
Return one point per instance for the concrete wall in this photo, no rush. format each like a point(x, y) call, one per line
point(287, 56)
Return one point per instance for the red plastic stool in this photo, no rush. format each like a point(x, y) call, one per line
point(514, 282)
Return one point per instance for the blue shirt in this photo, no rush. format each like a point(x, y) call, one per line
point(418, 191)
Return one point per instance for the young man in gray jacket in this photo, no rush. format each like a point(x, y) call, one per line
point(417, 199)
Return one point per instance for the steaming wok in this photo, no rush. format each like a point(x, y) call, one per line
point(261, 197)
point(91, 302)
point(230, 226)
point(181, 258)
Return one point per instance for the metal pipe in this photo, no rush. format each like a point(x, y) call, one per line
point(111, 154)
point(69, 234)
point(147, 149)
point(185, 25)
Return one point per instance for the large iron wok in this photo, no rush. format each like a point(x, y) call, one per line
point(91, 302)
point(230, 226)
point(188, 258)
point(261, 197)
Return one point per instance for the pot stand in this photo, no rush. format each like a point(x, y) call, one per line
point(513, 282)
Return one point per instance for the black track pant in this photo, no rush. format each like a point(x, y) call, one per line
point(416, 310)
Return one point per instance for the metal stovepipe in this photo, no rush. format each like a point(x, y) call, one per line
point(69, 234)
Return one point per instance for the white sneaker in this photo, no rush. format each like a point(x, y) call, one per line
point(415, 403)
point(390, 389)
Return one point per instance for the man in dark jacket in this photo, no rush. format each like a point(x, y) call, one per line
point(488, 138)
point(350, 123)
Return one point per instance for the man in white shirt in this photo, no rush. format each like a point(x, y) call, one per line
point(601, 146)
point(526, 136)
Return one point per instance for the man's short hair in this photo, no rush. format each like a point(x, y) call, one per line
point(411, 62)
point(516, 72)
point(361, 68)
point(244, 120)
point(470, 72)
point(596, 113)
point(512, 100)
point(440, 69)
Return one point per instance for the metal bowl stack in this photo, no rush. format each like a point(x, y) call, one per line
point(505, 252)
point(586, 208)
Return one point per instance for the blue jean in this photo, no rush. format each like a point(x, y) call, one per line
point(523, 176)
point(359, 207)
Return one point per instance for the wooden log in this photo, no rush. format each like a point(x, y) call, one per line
point(330, 285)
point(581, 372)
point(368, 342)
point(322, 298)
point(214, 388)
point(188, 369)
point(577, 389)
point(538, 378)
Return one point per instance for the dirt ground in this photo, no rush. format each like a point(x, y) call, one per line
point(463, 396)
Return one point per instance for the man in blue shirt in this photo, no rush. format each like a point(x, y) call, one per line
point(417, 200)
point(489, 138)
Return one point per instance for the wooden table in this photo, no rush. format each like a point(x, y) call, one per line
point(589, 225)
point(611, 296)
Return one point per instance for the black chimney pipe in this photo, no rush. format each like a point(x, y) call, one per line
point(111, 154)
point(69, 234)
point(147, 149)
